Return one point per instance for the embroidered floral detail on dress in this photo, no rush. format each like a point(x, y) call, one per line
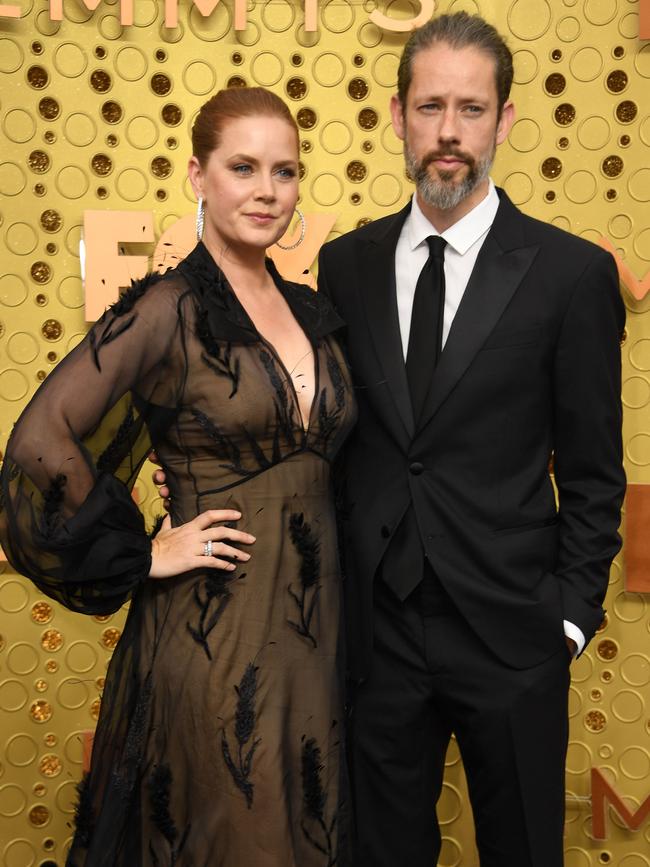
point(159, 786)
point(224, 365)
point(308, 548)
point(318, 830)
point(128, 770)
point(84, 818)
point(211, 605)
point(241, 766)
point(121, 444)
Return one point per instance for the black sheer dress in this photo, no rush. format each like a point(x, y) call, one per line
point(219, 742)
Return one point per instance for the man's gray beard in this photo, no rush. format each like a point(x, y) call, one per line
point(443, 194)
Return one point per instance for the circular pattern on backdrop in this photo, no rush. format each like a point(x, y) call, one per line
point(12, 179)
point(70, 59)
point(642, 245)
point(335, 137)
point(525, 66)
point(13, 695)
point(130, 63)
point(600, 12)
point(142, 132)
point(11, 55)
point(328, 69)
point(639, 185)
point(635, 392)
point(579, 758)
point(594, 132)
point(200, 78)
point(267, 68)
point(385, 190)
point(81, 657)
point(450, 804)
point(634, 763)
point(635, 669)
point(14, 596)
point(21, 239)
point(19, 126)
point(518, 186)
point(72, 182)
point(586, 64)
point(213, 28)
point(80, 129)
point(525, 135)
point(21, 750)
point(70, 292)
point(278, 15)
point(132, 184)
point(337, 15)
point(326, 189)
point(568, 28)
point(628, 706)
point(22, 347)
point(384, 69)
point(72, 693)
point(22, 658)
point(529, 19)
point(580, 187)
point(13, 290)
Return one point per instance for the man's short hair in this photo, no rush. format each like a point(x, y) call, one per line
point(458, 30)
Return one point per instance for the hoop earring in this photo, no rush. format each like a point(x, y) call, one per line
point(200, 219)
point(303, 229)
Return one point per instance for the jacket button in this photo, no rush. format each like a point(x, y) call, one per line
point(385, 532)
point(416, 468)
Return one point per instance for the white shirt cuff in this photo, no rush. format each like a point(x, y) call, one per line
point(574, 632)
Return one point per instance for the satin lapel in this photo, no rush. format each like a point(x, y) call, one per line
point(494, 280)
point(377, 280)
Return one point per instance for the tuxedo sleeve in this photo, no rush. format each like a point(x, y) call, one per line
point(588, 441)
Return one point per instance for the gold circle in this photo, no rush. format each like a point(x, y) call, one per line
point(50, 765)
point(595, 721)
point(41, 710)
point(52, 639)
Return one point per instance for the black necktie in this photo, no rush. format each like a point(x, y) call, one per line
point(425, 337)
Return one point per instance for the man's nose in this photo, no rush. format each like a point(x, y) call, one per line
point(449, 130)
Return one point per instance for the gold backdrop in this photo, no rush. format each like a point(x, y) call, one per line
point(96, 115)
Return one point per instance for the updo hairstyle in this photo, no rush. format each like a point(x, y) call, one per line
point(231, 104)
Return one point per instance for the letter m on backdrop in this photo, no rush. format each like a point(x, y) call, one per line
point(603, 793)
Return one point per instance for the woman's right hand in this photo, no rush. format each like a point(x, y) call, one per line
point(175, 550)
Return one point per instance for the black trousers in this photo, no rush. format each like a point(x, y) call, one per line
point(432, 676)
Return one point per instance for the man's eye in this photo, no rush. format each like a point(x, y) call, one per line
point(474, 109)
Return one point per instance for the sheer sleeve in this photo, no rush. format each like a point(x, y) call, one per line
point(67, 519)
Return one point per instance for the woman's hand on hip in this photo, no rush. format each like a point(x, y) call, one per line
point(202, 543)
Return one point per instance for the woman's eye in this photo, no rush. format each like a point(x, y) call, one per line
point(287, 172)
point(242, 169)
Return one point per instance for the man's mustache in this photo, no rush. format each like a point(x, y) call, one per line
point(446, 152)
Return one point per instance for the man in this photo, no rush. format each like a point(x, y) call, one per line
point(468, 591)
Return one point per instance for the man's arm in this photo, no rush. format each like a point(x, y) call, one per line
point(588, 443)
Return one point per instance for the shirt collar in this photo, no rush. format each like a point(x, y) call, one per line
point(462, 234)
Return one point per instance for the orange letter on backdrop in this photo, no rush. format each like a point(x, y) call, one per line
point(205, 7)
point(106, 270)
point(126, 10)
point(9, 11)
point(644, 19)
point(403, 25)
point(603, 792)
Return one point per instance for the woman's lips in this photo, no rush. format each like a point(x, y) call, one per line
point(262, 219)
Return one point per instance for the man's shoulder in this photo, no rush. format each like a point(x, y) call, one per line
point(557, 241)
point(370, 231)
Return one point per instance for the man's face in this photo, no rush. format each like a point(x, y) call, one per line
point(450, 124)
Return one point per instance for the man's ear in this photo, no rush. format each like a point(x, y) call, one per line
point(505, 121)
point(195, 174)
point(397, 117)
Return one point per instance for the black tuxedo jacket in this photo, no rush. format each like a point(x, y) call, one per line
point(530, 370)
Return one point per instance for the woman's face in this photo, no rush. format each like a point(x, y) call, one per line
point(249, 184)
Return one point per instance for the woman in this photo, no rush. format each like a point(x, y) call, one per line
point(218, 742)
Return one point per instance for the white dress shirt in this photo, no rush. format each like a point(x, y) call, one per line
point(464, 241)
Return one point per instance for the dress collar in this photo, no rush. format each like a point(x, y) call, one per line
point(225, 315)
